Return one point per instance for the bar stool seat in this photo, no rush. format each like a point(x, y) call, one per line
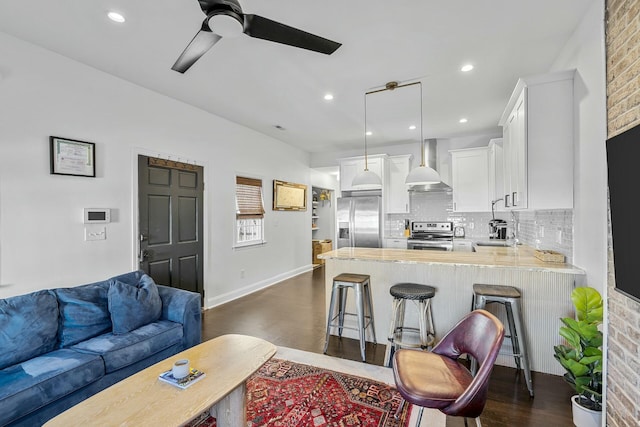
point(364, 308)
point(510, 297)
point(425, 331)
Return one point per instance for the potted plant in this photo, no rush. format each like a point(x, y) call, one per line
point(582, 356)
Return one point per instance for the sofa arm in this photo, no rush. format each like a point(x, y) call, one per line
point(183, 307)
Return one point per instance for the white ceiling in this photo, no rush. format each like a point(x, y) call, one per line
point(261, 84)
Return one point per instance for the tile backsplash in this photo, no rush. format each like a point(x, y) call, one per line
point(544, 229)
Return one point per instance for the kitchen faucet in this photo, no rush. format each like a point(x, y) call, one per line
point(493, 205)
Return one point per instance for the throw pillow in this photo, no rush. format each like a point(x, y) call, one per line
point(132, 306)
point(28, 327)
point(84, 313)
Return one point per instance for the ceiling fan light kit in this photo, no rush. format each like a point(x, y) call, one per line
point(224, 18)
point(226, 24)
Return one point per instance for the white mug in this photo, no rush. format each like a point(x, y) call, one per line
point(180, 369)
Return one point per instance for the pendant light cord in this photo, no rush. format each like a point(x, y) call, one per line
point(422, 164)
point(366, 163)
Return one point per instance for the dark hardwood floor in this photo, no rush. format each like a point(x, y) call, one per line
point(292, 314)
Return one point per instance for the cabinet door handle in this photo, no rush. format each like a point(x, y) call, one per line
point(507, 197)
point(515, 198)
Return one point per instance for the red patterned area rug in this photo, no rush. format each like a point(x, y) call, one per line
point(285, 393)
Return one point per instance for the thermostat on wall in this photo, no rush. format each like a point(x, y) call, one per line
point(97, 215)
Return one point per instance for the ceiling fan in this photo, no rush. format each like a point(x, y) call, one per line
point(225, 19)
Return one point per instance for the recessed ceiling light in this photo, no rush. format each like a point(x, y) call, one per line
point(412, 127)
point(463, 120)
point(467, 67)
point(116, 17)
point(328, 97)
point(368, 133)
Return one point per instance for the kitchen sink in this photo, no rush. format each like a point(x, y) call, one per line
point(500, 243)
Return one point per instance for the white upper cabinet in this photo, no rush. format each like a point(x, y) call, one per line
point(396, 190)
point(470, 180)
point(352, 166)
point(496, 172)
point(538, 143)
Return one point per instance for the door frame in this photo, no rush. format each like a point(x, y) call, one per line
point(135, 218)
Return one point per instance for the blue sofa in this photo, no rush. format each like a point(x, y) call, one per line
point(60, 346)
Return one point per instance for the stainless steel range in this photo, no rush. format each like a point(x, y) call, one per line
point(431, 236)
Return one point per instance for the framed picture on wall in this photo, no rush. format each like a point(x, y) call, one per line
point(288, 196)
point(72, 157)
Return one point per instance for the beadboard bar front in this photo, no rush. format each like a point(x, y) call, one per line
point(546, 292)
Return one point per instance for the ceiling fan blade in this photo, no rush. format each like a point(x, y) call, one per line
point(266, 29)
point(201, 43)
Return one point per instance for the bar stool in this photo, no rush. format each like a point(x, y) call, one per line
point(360, 284)
point(510, 298)
point(421, 296)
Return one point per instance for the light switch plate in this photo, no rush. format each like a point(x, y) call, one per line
point(95, 233)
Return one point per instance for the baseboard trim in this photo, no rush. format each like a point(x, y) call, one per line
point(246, 290)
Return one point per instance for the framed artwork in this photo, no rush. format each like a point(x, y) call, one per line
point(71, 157)
point(288, 196)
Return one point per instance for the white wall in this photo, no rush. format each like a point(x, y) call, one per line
point(585, 53)
point(41, 231)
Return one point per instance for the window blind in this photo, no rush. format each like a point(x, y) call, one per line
point(249, 198)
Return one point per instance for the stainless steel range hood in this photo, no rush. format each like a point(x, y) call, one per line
point(431, 160)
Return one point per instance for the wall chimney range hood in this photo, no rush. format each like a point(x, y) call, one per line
point(431, 160)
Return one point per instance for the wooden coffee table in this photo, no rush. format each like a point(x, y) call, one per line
point(143, 400)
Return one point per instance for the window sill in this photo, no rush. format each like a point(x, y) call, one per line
point(249, 244)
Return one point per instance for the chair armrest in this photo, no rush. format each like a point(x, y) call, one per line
point(183, 307)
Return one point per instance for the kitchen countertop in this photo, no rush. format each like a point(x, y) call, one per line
point(521, 257)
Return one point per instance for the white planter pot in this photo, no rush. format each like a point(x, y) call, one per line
point(583, 417)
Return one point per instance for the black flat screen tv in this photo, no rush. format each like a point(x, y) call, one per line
point(623, 164)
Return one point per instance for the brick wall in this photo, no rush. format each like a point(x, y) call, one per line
point(623, 112)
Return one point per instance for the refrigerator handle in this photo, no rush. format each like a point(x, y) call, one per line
point(352, 223)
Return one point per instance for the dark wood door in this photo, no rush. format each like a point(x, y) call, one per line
point(171, 218)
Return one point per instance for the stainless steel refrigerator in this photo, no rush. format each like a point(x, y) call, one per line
point(359, 221)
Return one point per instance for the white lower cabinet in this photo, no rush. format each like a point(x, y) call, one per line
point(398, 243)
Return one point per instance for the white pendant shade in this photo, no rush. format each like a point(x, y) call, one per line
point(423, 175)
point(367, 180)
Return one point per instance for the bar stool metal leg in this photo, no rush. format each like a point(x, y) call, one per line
point(369, 303)
point(359, 283)
point(523, 347)
point(509, 297)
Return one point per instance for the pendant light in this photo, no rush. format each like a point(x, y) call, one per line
point(422, 175)
point(366, 180)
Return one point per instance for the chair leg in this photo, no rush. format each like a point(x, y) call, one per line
point(514, 335)
point(360, 312)
point(367, 292)
point(478, 422)
point(332, 305)
point(419, 420)
point(524, 351)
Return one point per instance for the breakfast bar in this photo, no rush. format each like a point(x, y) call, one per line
point(545, 287)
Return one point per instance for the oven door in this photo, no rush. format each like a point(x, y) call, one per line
point(430, 245)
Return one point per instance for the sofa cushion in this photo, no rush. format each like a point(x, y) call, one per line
point(32, 384)
point(84, 312)
point(28, 326)
point(132, 306)
point(119, 351)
